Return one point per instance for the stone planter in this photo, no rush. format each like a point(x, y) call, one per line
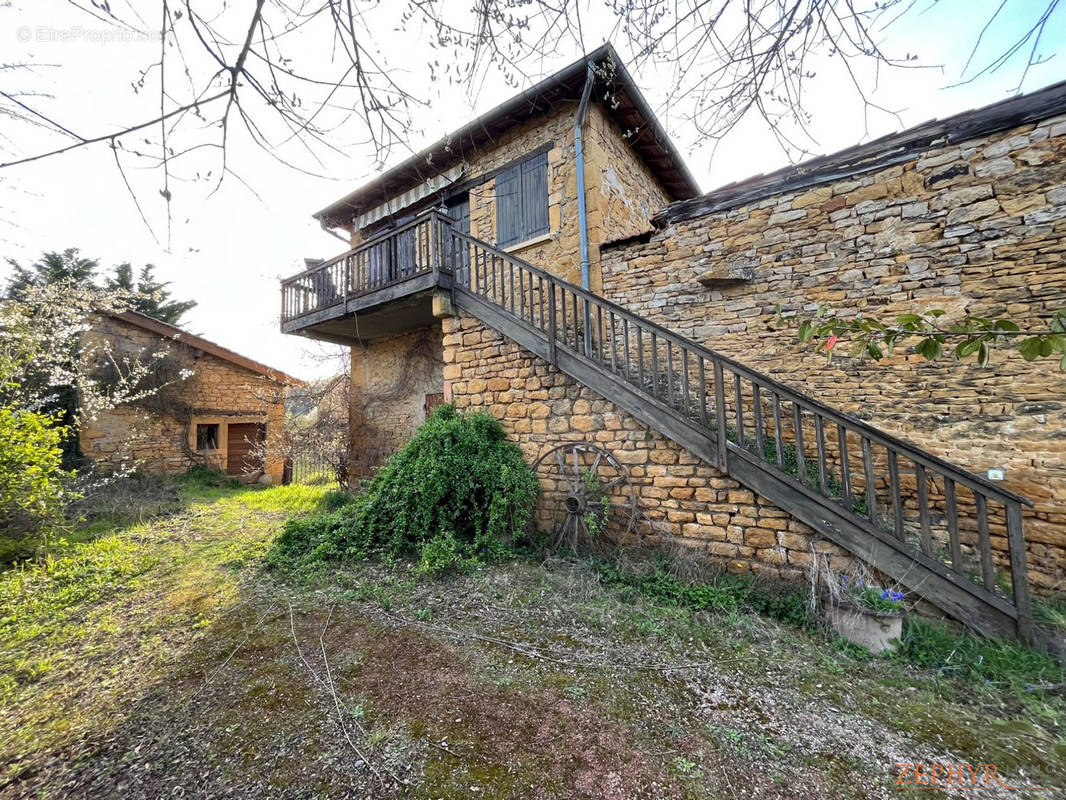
point(877, 631)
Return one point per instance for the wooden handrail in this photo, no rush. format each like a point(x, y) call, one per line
point(874, 434)
point(353, 272)
point(370, 244)
point(574, 314)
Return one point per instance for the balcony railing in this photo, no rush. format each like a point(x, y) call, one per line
point(411, 250)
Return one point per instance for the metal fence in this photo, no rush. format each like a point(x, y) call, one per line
point(315, 469)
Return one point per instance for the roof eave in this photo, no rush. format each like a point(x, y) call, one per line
point(508, 106)
point(877, 154)
point(329, 215)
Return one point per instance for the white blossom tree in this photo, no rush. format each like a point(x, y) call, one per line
point(57, 376)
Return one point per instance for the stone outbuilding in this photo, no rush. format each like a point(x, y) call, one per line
point(213, 407)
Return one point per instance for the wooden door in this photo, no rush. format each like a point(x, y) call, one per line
point(245, 455)
point(432, 401)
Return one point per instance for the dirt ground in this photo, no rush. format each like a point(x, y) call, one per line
point(194, 673)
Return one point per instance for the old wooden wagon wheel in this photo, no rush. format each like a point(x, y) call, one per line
point(589, 500)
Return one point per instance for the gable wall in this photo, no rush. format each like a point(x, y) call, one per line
point(977, 227)
point(621, 192)
point(626, 194)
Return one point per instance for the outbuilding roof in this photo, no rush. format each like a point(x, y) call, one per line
point(168, 331)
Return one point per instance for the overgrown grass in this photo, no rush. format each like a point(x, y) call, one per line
point(149, 612)
point(725, 593)
point(961, 657)
point(1010, 666)
point(105, 505)
point(42, 599)
point(118, 605)
point(968, 658)
point(1051, 612)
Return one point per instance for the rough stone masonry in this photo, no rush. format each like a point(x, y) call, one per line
point(975, 227)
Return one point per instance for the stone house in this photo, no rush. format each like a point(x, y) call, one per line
point(554, 264)
point(217, 408)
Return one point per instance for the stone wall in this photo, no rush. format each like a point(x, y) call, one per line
point(625, 193)
point(390, 380)
point(119, 439)
point(559, 249)
point(159, 434)
point(973, 228)
point(679, 495)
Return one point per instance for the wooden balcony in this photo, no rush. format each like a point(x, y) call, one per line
point(381, 288)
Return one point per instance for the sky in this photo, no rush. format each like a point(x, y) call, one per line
point(227, 247)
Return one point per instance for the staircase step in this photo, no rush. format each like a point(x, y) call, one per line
point(987, 612)
point(771, 439)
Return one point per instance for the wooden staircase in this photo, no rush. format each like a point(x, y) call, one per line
point(928, 524)
point(920, 520)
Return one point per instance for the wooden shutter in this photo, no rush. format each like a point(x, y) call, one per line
point(459, 211)
point(407, 254)
point(508, 206)
point(378, 258)
point(535, 196)
point(522, 201)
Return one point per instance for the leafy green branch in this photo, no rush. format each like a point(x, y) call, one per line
point(928, 335)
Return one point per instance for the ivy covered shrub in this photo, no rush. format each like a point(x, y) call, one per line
point(455, 496)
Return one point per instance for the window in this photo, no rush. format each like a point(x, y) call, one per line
point(207, 436)
point(522, 201)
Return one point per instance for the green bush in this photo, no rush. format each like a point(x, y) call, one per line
point(456, 495)
point(32, 480)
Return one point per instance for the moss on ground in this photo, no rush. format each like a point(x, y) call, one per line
point(161, 658)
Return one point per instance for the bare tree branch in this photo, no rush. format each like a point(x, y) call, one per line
point(300, 74)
